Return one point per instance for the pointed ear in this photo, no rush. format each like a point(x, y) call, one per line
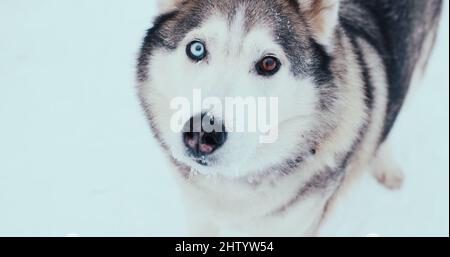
point(168, 5)
point(323, 16)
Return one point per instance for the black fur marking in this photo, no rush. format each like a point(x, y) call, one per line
point(328, 177)
point(320, 68)
point(397, 30)
point(168, 37)
point(369, 102)
point(152, 40)
point(295, 5)
point(307, 58)
point(405, 25)
point(365, 74)
point(321, 181)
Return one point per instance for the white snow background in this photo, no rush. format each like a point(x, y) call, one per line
point(77, 156)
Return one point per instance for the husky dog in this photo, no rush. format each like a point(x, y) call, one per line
point(341, 71)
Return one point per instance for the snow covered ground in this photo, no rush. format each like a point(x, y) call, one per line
point(77, 156)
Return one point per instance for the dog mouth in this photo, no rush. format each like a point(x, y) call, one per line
point(200, 148)
point(202, 160)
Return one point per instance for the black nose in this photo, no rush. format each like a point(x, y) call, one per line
point(203, 135)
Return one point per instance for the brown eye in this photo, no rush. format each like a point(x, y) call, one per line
point(268, 66)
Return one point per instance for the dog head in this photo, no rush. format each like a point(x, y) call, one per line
point(269, 49)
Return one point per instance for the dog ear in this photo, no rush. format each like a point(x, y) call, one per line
point(323, 16)
point(168, 5)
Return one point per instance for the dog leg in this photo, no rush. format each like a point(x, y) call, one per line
point(386, 170)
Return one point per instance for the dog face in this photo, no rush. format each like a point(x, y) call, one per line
point(240, 48)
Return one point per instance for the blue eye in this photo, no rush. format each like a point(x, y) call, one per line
point(196, 50)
